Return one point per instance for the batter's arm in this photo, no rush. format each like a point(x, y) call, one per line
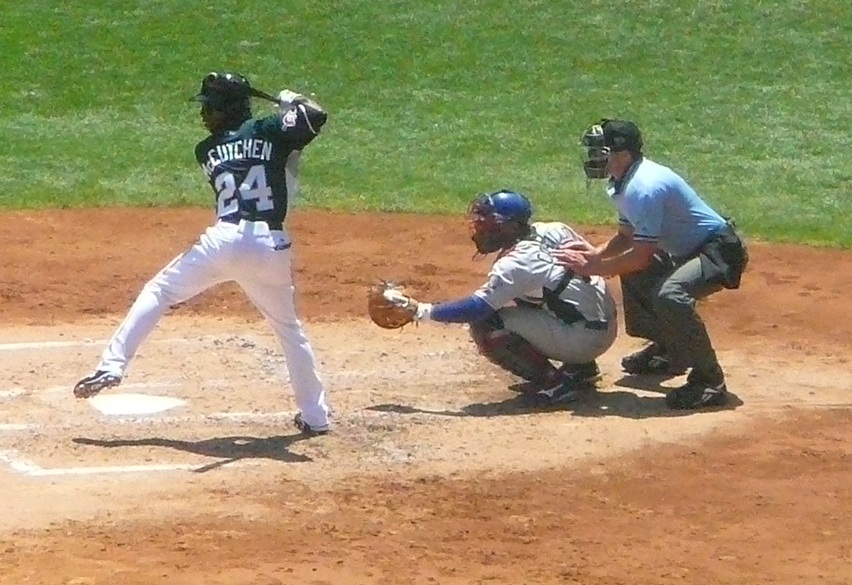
point(313, 113)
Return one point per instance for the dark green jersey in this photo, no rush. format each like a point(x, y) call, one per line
point(252, 169)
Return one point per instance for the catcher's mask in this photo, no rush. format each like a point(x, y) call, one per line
point(225, 100)
point(498, 220)
point(604, 138)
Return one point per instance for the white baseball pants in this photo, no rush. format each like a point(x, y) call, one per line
point(258, 260)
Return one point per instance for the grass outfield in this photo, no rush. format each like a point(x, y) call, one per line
point(432, 102)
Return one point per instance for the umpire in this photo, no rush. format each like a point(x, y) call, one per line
point(671, 249)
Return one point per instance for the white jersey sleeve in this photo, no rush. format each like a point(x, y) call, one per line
point(521, 272)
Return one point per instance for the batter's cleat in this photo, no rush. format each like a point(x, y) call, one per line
point(307, 429)
point(91, 385)
point(695, 395)
point(651, 360)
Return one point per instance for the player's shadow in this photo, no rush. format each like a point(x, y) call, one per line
point(225, 449)
point(620, 403)
point(645, 382)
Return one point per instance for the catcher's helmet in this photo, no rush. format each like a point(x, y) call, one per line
point(224, 92)
point(498, 220)
point(605, 137)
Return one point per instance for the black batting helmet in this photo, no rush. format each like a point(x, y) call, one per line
point(224, 92)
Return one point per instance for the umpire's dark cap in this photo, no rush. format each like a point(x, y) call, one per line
point(622, 135)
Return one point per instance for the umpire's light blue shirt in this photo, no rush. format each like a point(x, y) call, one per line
point(663, 209)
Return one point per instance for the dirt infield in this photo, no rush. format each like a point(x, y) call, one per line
point(438, 473)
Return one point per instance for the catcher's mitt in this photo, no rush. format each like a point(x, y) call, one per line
point(388, 307)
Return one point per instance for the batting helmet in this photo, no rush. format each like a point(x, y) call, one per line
point(224, 92)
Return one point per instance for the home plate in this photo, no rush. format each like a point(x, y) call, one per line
point(133, 404)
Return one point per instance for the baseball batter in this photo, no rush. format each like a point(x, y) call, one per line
point(252, 167)
point(531, 310)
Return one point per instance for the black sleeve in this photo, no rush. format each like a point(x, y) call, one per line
point(296, 126)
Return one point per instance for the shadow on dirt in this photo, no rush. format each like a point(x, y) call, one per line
point(618, 403)
point(648, 383)
point(227, 449)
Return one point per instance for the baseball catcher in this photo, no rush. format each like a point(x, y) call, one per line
point(530, 312)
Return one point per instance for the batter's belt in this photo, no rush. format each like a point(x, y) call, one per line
point(235, 219)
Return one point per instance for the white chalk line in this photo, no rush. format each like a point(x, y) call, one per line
point(447, 377)
point(214, 416)
point(19, 426)
point(75, 343)
point(149, 420)
point(24, 466)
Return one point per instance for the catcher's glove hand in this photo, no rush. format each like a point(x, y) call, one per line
point(390, 308)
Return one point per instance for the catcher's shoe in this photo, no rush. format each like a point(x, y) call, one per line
point(569, 390)
point(307, 429)
point(650, 360)
point(91, 385)
point(587, 373)
point(695, 395)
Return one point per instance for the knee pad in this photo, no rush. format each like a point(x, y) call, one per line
point(510, 351)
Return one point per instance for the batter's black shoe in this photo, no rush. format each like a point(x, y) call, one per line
point(91, 385)
point(651, 360)
point(695, 395)
point(307, 429)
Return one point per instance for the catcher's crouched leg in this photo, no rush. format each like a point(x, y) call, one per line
point(510, 351)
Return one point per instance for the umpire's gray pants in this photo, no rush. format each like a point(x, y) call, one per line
point(659, 305)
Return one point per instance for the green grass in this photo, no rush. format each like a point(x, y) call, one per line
point(432, 102)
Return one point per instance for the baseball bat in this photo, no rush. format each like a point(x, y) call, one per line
point(259, 93)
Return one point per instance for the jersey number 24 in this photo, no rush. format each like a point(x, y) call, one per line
point(253, 188)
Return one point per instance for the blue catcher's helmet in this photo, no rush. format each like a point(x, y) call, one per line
point(498, 220)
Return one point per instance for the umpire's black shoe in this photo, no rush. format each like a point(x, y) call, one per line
point(695, 395)
point(651, 360)
point(307, 429)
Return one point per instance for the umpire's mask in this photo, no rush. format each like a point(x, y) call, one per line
point(597, 152)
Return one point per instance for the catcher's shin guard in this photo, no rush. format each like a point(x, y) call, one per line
point(510, 351)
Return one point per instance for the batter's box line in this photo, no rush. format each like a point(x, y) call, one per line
point(20, 464)
point(210, 417)
point(24, 345)
point(153, 420)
